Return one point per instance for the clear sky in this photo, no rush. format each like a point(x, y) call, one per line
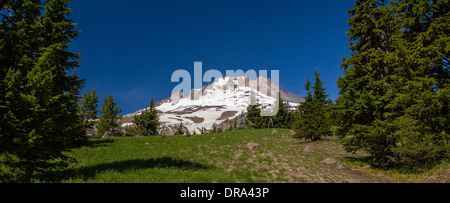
point(131, 48)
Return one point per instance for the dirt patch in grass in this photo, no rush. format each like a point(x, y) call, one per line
point(292, 160)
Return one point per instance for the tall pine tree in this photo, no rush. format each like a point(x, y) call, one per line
point(422, 47)
point(148, 119)
point(284, 117)
point(88, 108)
point(304, 116)
point(109, 120)
point(394, 95)
point(312, 120)
point(39, 116)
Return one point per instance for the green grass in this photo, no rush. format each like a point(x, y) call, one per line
point(217, 158)
point(433, 172)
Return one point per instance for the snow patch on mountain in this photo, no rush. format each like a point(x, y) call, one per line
point(225, 98)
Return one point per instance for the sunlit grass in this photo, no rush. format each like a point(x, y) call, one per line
point(224, 158)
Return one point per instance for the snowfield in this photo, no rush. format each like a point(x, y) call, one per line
point(225, 98)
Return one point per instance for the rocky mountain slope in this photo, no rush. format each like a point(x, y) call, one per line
point(225, 98)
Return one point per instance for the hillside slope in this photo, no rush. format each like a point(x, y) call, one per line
point(224, 158)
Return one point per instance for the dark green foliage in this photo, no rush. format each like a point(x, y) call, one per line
point(179, 130)
point(319, 96)
point(109, 121)
point(214, 129)
point(39, 89)
point(395, 94)
point(282, 119)
point(332, 114)
point(203, 130)
point(88, 108)
point(148, 120)
point(134, 131)
point(254, 118)
point(312, 119)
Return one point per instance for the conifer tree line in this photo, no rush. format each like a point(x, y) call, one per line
point(282, 119)
point(394, 99)
point(311, 121)
point(395, 93)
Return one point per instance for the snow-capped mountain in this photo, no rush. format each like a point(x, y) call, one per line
point(223, 99)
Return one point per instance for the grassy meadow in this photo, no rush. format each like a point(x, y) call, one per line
point(225, 158)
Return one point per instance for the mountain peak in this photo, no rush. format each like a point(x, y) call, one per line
point(224, 98)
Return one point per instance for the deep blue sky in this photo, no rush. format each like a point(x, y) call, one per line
point(131, 48)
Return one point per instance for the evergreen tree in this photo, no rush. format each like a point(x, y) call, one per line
point(361, 87)
point(319, 91)
point(303, 118)
point(109, 121)
point(312, 121)
point(332, 113)
point(420, 104)
point(39, 116)
point(321, 108)
point(148, 119)
point(202, 130)
point(283, 118)
point(88, 108)
point(395, 92)
point(254, 118)
point(214, 129)
point(179, 129)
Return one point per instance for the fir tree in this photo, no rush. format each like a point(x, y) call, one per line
point(179, 129)
point(321, 108)
point(39, 89)
point(254, 118)
point(284, 117)
point(332, 113)
point(319, 91)
point(109, 121)
point(303, 118)
point(203, 130)
point(395, 92)
point(365, 74)
point(214, 129)
point(312, 121)
point(88, 108)
point(148, 119)
point(420, 104)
